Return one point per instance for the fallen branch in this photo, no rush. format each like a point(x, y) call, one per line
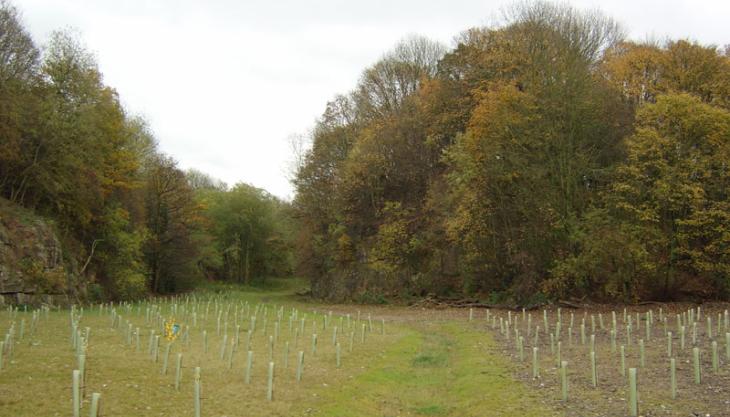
point(88, 260)
point(569, 304)
point(450, 302)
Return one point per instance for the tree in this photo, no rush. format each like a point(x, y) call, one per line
point(674, 187)
point(199, 180)
point(384, 86)
point(635, 70)
point(19, 57)
point(698, 70)
point(19, 100)
point(529, 131)
point(644, 71)
point(173, 216)
point(244, 224)
point(129, 218)
point(541, 135)
point(666, 209)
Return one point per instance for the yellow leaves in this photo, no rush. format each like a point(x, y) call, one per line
point(393, 242)
point(345, 249)
point(665, 188)
point(503, 108)
point(635, 69)
point(643, 72)
point(500, 132)
point(671, 155)
point(704, 238)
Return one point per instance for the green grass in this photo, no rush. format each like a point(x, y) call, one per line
point(422, 366)
point(431, 410)
point(278, 288)
point(435, 369)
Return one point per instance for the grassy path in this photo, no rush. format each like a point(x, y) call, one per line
point(436, 369)
point(428, 363)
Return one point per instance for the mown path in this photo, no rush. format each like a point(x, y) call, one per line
point(428, 363)
point(438, 368)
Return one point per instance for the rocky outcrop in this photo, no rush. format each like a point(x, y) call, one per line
point(32, 267)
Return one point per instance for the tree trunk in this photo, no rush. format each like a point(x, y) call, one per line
point(155, 273)
point(248, 265)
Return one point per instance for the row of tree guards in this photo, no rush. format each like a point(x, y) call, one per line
point(238, 317)
point(690, 330)
point(79, 343)
point(686, 335)
point(11, 338)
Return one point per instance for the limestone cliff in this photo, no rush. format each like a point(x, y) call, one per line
point(32, 266)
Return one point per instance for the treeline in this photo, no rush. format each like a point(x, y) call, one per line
point(547, 157)
point(129, 218)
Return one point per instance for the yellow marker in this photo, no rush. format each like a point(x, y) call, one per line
point(172, 330)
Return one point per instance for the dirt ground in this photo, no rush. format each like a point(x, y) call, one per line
point(609, 398)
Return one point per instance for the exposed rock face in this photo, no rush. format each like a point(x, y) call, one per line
point(32, 269)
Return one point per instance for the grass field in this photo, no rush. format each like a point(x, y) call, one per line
point(418, 363)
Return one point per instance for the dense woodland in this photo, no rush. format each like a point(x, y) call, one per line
point(129, 218)
point(546, 157)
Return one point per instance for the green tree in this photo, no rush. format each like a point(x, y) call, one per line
point(244, 224)
point(668, 207)
point(674, 185)
point(19, 101)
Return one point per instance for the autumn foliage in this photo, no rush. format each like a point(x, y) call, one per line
point(131, 221)
point(545, 157)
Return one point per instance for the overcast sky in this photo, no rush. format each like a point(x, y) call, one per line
point(223, 83)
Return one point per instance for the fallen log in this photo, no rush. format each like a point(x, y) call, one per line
point(451, 302)
point(569, 304)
